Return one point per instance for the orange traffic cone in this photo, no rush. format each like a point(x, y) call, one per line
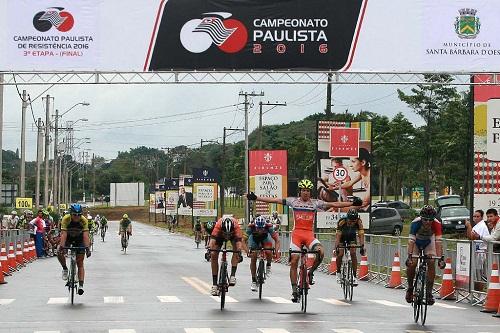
point(363, 269)
point(311, 257)
point(395, 281)
point(32, 250)
point(493, 295)
point(498, 312)
point(2, 281)
point(26, 253)
point(3, 260)
point(11, 258)
point(447, 287)
point(19, 255)
point(332, 269)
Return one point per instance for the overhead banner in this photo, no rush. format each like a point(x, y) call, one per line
point(344, 162)
point(268, 171)
point(164, 35)
point(486, 144)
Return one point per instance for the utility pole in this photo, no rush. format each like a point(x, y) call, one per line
point(39, 140)
point(260, 118)
point(22, 181)
point(55, 160)
point(247, 185)
point(1, 135)
point(93, 177)
point(46, 153)
point(223, 172)
point(328, 109)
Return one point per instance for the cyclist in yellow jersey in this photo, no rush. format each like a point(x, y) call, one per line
point(74, 232)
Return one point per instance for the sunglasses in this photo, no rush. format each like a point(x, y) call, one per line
point(73, 214)
point(427, 220)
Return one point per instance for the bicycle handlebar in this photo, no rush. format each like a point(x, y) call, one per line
point(425, 257)
point(303, 251)
point(350, 246)
point(224, 250)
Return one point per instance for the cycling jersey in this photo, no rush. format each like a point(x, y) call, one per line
point(197, 227)
point(304, 212)
point(124, 224)
point(74, 229)
point(425, 237)
point(349, 230)
point(258, 237)
point(217, 233)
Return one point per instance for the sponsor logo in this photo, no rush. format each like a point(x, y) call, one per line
point(218, 28)
point(268, 157)
point(53, 17)
point(205, 172)
point(467, 25)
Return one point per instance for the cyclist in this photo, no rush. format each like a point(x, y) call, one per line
point(260, 234)
point(197, 228)
point(104, 223)
point(74, 232)
point(226, 229)
point(125, 226)
point(346, 233)
point(209, 227)
point(304, 212)
point(97, 221)
point(425, 233)
point(276, 221)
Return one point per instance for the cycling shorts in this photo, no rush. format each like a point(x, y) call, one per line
point(76, 242)
point(255, 243)
point(301, 238)
point(220, 240)
point(428, 245)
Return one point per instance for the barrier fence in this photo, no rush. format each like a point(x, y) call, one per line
point(17, 249)
point(473, 267)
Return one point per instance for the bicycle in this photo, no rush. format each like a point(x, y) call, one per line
point(72, 283)
point(124, 240)
point(197, 238)
point(261, 268)
point(103, 233)
point(419, 302)
point(303, 276)
point(347, 271)
point(223, 281)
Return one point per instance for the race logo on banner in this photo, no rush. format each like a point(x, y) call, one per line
point(47, 35)
point(344, 142)
point(206, 175)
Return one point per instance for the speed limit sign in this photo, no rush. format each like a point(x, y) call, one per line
point(340, 174)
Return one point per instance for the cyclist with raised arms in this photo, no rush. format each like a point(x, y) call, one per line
point(348, 229)
point(304, 214)
point(426, 234)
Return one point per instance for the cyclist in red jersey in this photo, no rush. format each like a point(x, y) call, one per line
point(304, 213)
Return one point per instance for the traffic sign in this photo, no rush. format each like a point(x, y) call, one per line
point(340, 174)
point(62, 206)
point(24, 203)
point(416, 194)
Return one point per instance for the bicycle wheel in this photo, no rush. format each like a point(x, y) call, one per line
point(72, 283)
point(304, 286)
point(417, 302)
point(260, 276)
point(103, 233)
point(222, 284)
point(423, 290)
point(343, 280)
point(350, 277)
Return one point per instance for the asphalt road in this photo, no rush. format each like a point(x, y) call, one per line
point(162, 285)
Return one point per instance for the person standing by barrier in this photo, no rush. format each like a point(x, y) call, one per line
point(475, 233)
point(492, 218)
point(12, 220)
point(39, 229)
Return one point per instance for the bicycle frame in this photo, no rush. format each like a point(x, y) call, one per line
point(261, 271)
point(223, 281)
point(347, 271)
point(72, 272)
point(419, 302)
point(303, 276)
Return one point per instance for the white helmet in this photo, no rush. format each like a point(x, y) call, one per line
point(13, 212)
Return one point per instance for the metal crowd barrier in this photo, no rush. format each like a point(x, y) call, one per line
point(8, 236)
point(381, 250)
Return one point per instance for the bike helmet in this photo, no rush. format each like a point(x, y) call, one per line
point(227, 225)
point(260, 222)
point(76, 209)
point(305, 184)
point(352, 214)
point(428, 212)
point(210, 225)
point(275, 214)
point(125, 216)
point(13, 212)
point(45, 212)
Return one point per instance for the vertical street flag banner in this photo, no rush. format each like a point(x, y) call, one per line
point(268, 171)
point(344, 162)
point(462, 268)
point(486, 143)
point(171, 196)
point(160, 202)
point(152, 203)
point(185, 199)
point(205, 191)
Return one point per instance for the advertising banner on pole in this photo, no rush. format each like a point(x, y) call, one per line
point(268, 173)
point(185, 199)
point(462, 268)
point(152, 203)
point(486, 144)
point(171, 196)
point(165, 35)
point(205, 198)
point(344, 164)
point(160, 202)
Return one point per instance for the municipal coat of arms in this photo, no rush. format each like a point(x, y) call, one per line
point(467, 25)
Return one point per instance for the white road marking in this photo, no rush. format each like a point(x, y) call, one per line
point(273, 330)
point(113, 299)
point(447, 306)
point(346, 330)
point(122, 331)
point(387, 303)
point(169, 299)
point(195, 285)
point(198, 330)
point(229, 299)
point(334, 301)
point(6, 301)
point(417, 331)
point(58, 300)
point(47, 332)
point(279, 300)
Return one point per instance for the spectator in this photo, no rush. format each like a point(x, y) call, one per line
point(39, 226)
point(475, 233)
point(12, 220)
point(492, 218)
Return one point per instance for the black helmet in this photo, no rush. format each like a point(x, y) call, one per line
point(352, 214)
point(227, 225)
point(428, 212)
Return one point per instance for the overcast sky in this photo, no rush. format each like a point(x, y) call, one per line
point(119, 116)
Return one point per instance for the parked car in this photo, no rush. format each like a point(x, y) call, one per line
point(403, 209)
point(385, 220)
point(453, 218)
